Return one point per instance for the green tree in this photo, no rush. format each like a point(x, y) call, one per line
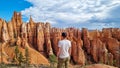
point(21, 58)
point(16, 54)
point(27, 56)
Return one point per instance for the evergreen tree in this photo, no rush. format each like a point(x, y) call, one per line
point(21, 58)
point(27, 57)
point(16, 54)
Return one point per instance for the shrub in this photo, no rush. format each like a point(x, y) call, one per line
point(53, 60)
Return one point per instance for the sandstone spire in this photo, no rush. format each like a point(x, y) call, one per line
point(1, 28)
point(17, 22)
point(10, 30)
point(5, 35)
point(31, 20)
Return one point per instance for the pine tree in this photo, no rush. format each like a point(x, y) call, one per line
point(16, 53)
point(21, 58)
point(27, 57)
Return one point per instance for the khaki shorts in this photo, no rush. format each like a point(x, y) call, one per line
point(63, 62)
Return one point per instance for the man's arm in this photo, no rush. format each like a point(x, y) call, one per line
point(58, 53)
point(70, 48)
point(70, 51)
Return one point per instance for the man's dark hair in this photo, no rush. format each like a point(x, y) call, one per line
point(64, 34)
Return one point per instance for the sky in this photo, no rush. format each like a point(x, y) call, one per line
point(91, 14)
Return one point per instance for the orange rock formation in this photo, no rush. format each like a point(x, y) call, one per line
point(87, 46)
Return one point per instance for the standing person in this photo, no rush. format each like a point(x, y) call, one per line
point(64, 51)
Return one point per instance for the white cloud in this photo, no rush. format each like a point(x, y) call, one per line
point(102, 25)
point(69, 11)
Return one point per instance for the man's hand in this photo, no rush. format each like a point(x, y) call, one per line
point(58, 53)
point(57, 57)
point(70, 51)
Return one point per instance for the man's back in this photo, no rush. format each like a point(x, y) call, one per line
point(64, 50)
point(64, 46)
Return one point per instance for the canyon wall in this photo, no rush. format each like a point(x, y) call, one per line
point(88, 47)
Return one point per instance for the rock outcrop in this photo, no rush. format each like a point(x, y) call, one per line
point(88, 47)
point(86, 40)
point(10, 30)
point(4, 32)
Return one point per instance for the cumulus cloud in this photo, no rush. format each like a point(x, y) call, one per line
point(72, 12)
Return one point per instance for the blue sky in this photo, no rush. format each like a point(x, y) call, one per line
point(91, 14)
point(7, 7)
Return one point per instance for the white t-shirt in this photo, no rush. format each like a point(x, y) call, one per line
point(64, 46)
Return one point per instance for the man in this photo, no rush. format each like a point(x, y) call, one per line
point(64, 52)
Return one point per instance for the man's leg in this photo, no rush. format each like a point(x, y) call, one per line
point(61, 63)
point(67, 62)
